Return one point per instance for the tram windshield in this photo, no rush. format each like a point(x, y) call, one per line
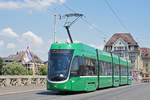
point(58, 65)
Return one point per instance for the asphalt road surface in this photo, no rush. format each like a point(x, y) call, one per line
point(130, 92)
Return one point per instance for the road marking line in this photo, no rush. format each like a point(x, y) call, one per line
point(9, 93)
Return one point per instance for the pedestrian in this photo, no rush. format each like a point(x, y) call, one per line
point(134, 76)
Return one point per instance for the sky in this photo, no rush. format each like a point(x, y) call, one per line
point(31, 23)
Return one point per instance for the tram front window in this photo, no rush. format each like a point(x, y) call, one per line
point(58, 66)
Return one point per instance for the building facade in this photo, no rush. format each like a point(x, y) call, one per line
point(145, 55)
point(31, 65)
point(14, 58)
point(123, 45)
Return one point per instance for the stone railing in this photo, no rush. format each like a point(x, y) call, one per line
point(6, 81)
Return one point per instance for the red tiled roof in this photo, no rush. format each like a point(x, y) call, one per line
point(125, 36)
point(145, 52)
point(19, 56)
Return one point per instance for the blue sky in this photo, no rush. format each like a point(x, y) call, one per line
point(30, 22)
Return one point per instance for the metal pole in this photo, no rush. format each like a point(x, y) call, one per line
point(55, 28)
point(67, 28)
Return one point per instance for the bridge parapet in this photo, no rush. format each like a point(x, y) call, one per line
point(6, 81)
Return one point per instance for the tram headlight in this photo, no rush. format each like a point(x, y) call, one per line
point(61, 75)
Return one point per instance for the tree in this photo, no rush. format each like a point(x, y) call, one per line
point(36, 59)
point(1, 65)
point(14, 69)
point(30, 72)
point(43, 70)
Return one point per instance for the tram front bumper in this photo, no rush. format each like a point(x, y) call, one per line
point(59, 86)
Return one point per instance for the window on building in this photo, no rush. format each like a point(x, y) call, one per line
point(132, 54)
point(146, 54)
point(109, 48)
point(120, 48)
point(132, 48)
point(126, 49)
point(114, 48)
point(147, 75)
point(121, 54)
point(146, 65)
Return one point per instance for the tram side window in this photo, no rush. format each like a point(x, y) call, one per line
point(90, 68)
point(116, 70)
point(124, 70)
point(75, 67)
point(82, 66)
point(101, 68)
point(130, 71)
point(109, 69)
point(105, 68)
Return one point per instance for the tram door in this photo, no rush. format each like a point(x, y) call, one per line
point(98, 69)
point(112, 69)
point(119, 72)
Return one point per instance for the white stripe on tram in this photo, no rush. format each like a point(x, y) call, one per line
point(87, 76)
point(101, 76)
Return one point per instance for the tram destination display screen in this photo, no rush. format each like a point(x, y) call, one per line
point(65, 51)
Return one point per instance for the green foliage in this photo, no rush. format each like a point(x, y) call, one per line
point(42, 70)
point(30, 72)
point(36, 59)
point(14, 69)
point(1, 65)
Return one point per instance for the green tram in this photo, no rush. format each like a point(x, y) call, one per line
point(79, 67)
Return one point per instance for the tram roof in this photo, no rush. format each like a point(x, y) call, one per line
point(88, 51)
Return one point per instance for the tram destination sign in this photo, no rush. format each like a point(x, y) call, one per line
point(61, 51)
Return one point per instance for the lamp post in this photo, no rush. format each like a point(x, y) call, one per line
point(55, 19)
point(55, 28)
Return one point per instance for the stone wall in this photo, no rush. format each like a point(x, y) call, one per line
point(6, 81)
